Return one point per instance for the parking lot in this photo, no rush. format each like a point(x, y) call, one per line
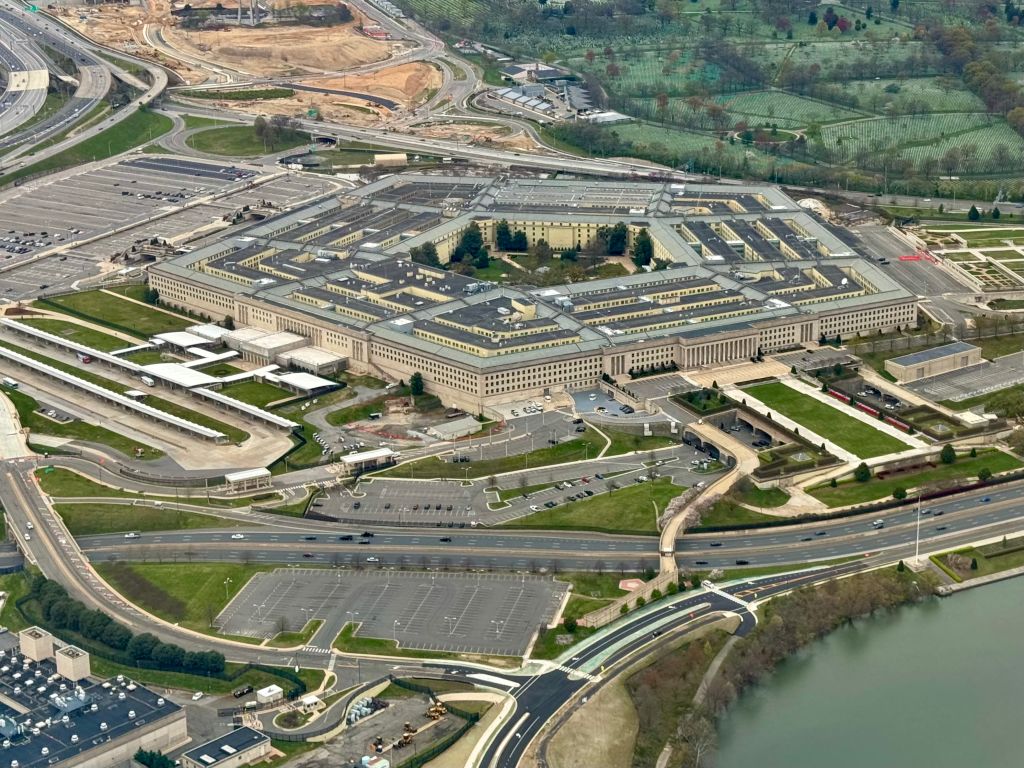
point(658, 386)
point(451, 612)
point(970, 382)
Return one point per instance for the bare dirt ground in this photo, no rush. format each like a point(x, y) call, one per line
point(601, 732)
point(408, 84)
point(332, 108)
point(285, 50)
point(478, 134)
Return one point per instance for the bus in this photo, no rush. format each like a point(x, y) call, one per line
point(9, 382)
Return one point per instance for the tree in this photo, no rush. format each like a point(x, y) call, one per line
point(151, 296)
point(899, 494)
point(900, 567)
point(995, 213)
point(519, 241)
point(948, 454)
point(416, 384)
point(862, 473)
point(984, 474)
point(833, 483)
point(570, 624)
point(425, 254)
point(615, 238)
point(228, 322)
point(502, 236)
point(812, 19)
point(643, 249)
point(482, 260)
point(973, 215)
point(974, 563)
point(974, 453)
point(140, 647)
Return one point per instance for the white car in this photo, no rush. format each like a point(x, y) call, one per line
point(373, 559)
point(29, 525)
point(534, 508)
point(197, 696)
point(238, 536)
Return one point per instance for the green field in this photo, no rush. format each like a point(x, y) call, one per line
point(81, 334)
point(139, 128)
point(191, 594)
point(65, 484)
point(858, 438)
point(851, 492)
point(256, 393)
point(94, 518)
point(30, 417)
point(633, 509)
point(242, 141)
point(109, 309)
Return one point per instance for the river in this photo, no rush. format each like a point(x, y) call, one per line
point(935, 685)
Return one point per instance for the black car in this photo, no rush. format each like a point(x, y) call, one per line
point(807, 538)
point(446, 538)
point(941, 527)
point(938, 513)
point(449, 508)
point(821, 533)
point(308, 554)
point(388, 505)
point(700, 562)
point(309, 538)
point(368, 534)
point(347, 537)
point(356, 505)
point(742, 562)
point(716, 543)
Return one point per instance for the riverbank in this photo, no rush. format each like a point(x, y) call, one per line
point(884, 690)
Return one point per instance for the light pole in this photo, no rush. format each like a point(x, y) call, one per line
point(352, 616)
point(917, 535)
point(227, 581)
point(451, 626)
point(497, 627)
point(394, 630)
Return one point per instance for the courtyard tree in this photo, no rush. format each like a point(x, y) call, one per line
point(862, 473)
point(948, 454)
point(416, 384)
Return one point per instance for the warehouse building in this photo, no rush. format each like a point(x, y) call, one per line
point(932, 362)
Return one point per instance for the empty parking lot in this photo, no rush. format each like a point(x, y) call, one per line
point(449, 612)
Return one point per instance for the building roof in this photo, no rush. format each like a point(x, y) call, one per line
point(311, 356)
point(304, 381)
point(935, 353)
point(209, 331)
point(374, 455)
point(182, 339)
point(455, 427)
point(226, 746)
point(179, 375)
point(246, 474)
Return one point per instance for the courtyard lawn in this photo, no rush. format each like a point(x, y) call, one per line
point(726, 513)
point(830, 422)
point(257, 393)
point(78, 333)
point(629, 510)
point(625, 442)
point(88, 519)
point(851, 492)
point(109, 309)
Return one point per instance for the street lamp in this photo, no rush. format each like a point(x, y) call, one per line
point(497, 627)
point(352, 616)
point(227, 581)
point(394, 630)
point(451, 627)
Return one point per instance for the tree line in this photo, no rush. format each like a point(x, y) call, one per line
point(59, 611)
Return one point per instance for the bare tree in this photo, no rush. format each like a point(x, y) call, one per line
point(698, 732)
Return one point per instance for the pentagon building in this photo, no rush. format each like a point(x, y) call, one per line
point(748, 270)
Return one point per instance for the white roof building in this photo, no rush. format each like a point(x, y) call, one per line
point(178, 375)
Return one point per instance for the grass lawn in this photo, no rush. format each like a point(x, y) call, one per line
point(78, 333)
point(292, 639)
point(196, 121)
point(851, 492)
point(756, 497)
point(63, 483)
point(577, 449)
point(233, 433)
point(349, 642)
point(220, 370)
point(108, 309)
point(256, 393)
point(75, 430)
point(90, 518)
point(726, 512)
point(145, 356)
point(513, 493)
point(625, 442)
point(191, 594)
point(627, 510)
point(139, 128)
point(860, 439)
point(357, 380)
point(547, 646)
point(598, 585)
point(242, 141)
point(182, 681)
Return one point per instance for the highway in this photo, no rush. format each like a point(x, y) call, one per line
point(94, 81)
point(951, 522)
point(25, 93)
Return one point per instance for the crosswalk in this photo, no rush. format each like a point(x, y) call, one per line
point(570, 671)
point(315, 649)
